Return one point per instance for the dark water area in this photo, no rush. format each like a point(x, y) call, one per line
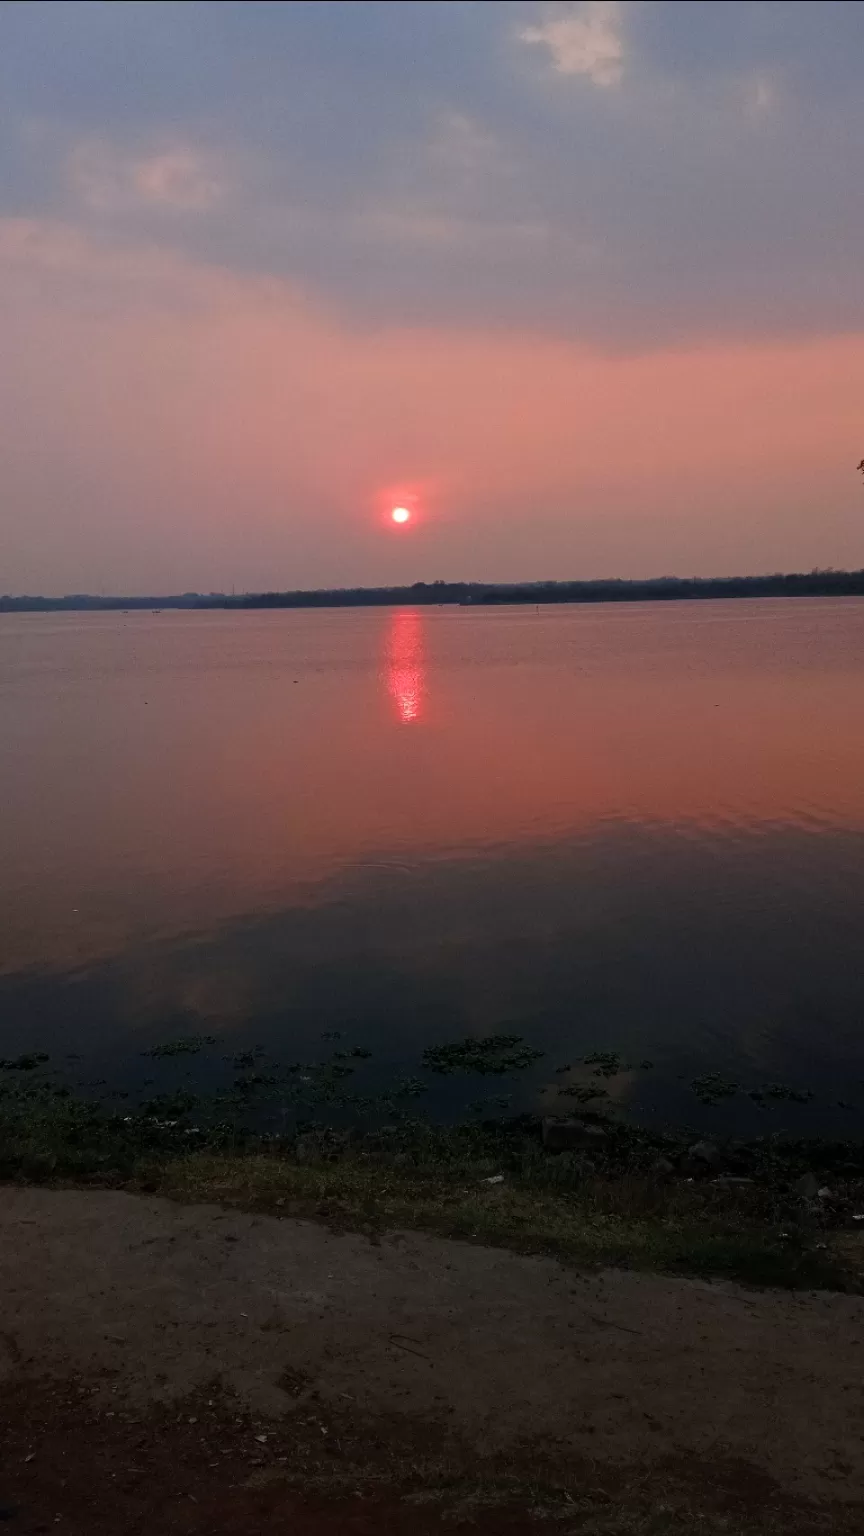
point(637, 829)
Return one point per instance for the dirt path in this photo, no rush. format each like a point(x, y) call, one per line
point(153, 1302)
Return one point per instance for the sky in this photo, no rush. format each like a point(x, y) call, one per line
point(580, 284)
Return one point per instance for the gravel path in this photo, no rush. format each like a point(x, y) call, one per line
point(500, 1348)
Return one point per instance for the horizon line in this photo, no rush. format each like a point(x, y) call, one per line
point(817, 582)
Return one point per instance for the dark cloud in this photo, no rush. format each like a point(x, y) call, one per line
point(420, 162)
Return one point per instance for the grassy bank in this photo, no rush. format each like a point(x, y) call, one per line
point(625, 1220)
point(622, 1195)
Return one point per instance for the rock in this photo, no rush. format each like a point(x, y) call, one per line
point(732, 1181)
point(565, 1135)
point(825, 1193)
point(663, 1168)
point(807, 1186)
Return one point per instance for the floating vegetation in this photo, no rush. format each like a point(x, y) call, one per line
point(244, 1059)
point(710, 1088)
point(256, 1080)
point(782, 1092)
point(495, 1101)
point(604, 1063)
point(26, 1063)
point(184, 1045)
point(407, 1088)
point(583, 1093)
point(170, 1106)
point(489, 1055)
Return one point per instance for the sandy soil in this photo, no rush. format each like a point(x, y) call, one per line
point(119, 1312)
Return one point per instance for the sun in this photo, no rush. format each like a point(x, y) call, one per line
point(400, 515)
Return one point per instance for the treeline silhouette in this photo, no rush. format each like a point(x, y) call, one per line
point(817, 583)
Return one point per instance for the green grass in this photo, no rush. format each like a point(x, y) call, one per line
point(612, 1207)
point(625, 1221)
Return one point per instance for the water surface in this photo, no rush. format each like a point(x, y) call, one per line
point(636, 827)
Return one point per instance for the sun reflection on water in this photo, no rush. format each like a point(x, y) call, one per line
point(406, 664)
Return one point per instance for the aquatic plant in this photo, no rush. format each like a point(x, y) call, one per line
point(184, 1045)
point(489, 1054)
point(711, 1087)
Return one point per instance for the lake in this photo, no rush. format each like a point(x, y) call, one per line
point(636, 828)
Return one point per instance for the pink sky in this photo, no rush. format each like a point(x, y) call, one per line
point(169, 425)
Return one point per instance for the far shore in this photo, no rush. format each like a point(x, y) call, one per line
point(817, 583)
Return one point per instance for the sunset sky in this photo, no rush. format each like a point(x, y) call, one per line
point(580, 285)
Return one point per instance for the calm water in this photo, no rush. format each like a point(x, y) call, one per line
point(637, 827)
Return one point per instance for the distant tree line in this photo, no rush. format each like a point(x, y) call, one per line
point(817, 583)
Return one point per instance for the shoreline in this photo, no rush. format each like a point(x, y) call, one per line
point(588, 1189)
point(183, 1367)
point(827, 583)
point(407, 1325)
point(579, 1181)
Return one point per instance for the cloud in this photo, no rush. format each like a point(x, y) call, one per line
point(110, 181)
point(761, 94)
point(411, 165)
point(462, 146)
point(586, 41)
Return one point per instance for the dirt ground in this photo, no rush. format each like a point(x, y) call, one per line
point(184, 1368)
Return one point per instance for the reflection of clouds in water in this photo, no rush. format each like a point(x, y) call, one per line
point(635, 942)
point(406, 664)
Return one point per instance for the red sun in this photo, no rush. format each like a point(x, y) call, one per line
point(400, 515)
